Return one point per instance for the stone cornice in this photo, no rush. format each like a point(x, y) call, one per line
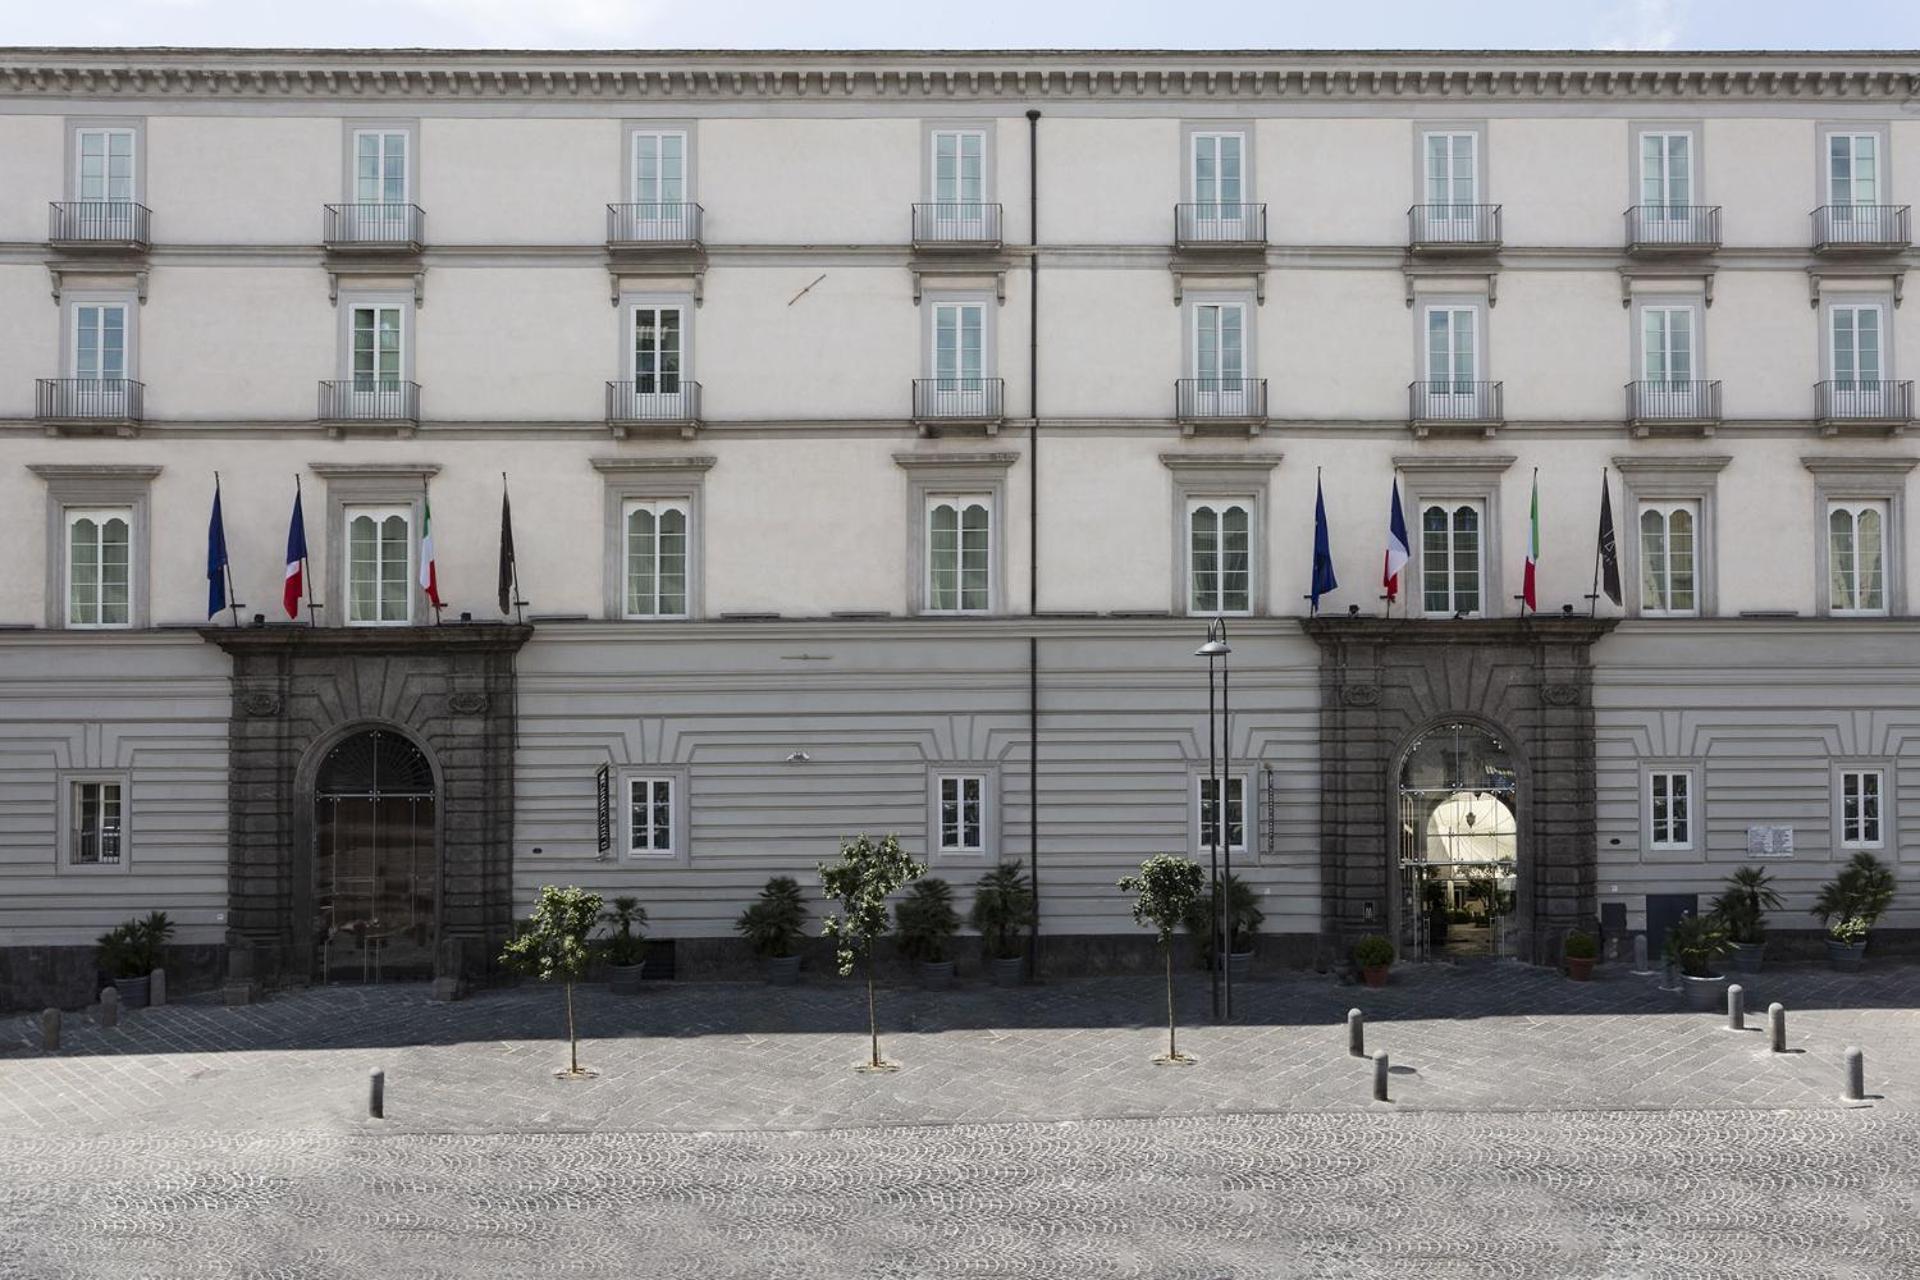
point(387, 75)
point(487, 636)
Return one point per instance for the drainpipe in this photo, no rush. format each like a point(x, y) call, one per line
point(1033, 536)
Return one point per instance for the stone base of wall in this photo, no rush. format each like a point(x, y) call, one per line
point(1809, 946)
point(34, 978)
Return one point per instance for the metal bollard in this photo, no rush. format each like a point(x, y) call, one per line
point(1380, 1076)
point(1356, 1033)
point(377, 1094)
point(1777, 1027)
point(157, 989)
point(1639, 953)
point(50, 1030)
point(109, 1008)
point(1856, 1074)
point(1736, 1007)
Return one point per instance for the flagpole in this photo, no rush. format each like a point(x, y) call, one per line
point(1593, 597)
point(1533, 537)
point(226, 560)
point(306, 570)
point(513, 565)
point(426, 522)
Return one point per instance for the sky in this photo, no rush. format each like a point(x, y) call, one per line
point(971, 24)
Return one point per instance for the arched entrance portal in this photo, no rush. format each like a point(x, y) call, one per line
point(376, 865)
point(1459, 844)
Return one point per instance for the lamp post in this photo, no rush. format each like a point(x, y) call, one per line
point(1215, 650)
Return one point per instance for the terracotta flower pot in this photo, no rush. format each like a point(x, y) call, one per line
point(1580, 968)
point(1375, 975)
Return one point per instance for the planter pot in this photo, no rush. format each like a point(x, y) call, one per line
point(1746, 957)
point(1580, 968)
point(133, 991)
point(624, 979)
point(783, 971)
point(1005, 972)
point(1705, 994)
point(1846, 956)
point(1375, 975)
point(936, 975)
point(1239, 965)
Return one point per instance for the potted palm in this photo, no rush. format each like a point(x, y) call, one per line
point(925, 922)
point(1743, 906)
point(1849, 905)
point(773, 926)
point(1243, 921)
point(1582, 949)
point(624, 948)
point(130, 952)
point(1002, 907)
point(1695, 943)
point(1372, 955)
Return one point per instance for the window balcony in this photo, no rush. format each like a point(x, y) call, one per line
point(1688, 403)
point(655, 225)
point(80, 402)
point(1673, 228)
point(961, 224)
point(99, 224)
point(638, 406)
point(384, 402)
point(1226, 402)
point(1199, 227)
point(959, 402)
point(1863, 402)
point(1860, 228)
point(380, 228)
point(1453, 228)
point(1456, 405)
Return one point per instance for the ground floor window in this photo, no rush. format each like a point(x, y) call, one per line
point(96, 823)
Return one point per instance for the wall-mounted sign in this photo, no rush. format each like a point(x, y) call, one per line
point(1769, 842)
point(603, 796)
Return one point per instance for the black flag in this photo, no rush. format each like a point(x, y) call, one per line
point(1609, 550)
point(508, 570)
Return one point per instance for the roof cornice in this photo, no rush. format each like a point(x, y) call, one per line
point(1023, 75)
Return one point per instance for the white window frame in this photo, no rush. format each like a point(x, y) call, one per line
point(1442, 403)
point(1451, 506)
point(1236, 781)
point(1666, 138)
point(1476, 147)
point(1667, 508)
point(72, 516)
point(959, 782)
point(658, 507)
point(1863, 402)
point(1847, 778)
point(380, 513)
point(1855, 509)
point(67, 817)
point(679, 780)
point(78, 312)
point(1220, 505)
point(1667, 311)
point(1228, 397)
point(1879, 182)
point(1654, 778)
point(382, 132)
point(656, 403)
point(659, 136)
point(80, 133)
point(961, 502)
point(959, 133)
point(630, 848)
point(960, 393)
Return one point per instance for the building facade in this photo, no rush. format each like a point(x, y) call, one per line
point(882, 432)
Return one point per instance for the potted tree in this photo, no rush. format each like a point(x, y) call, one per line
point(773, 926)
point(1581, 949)
point(860, 883)
point(552, 946)
point(1372, 955)
point(1002, 907)
point(1849, 905)
point(925, 922)
point(1694, 943)
point(1164, 893)
point(1243, 922)
point(1743, 906)
point(130, 952)
point(624, 948)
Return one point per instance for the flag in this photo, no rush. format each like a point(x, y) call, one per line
point(1323, 579)
point(1527, 591)
point(216, 556)
point(429, 570)
point(296, 559)
point(507, 566)
point(1397, 554)
point(1609, 550)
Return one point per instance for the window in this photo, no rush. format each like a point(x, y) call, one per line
point(99, 577)
point(959, 166)
point(99, 341)
point(1235, 836)
point(96, 825)
point(1219, 557)
point(1217, 173)
point(1856, 557)
point(376, 351)
point(1219, 358)
point(1453, 361)
point(1860, 792)
point(1666, 172)
point(379, 556)
point(1670, 809)
point(650, 817)
point(659, 169)
point(962, 813)
point(1452, 171)
point(658, 349)
point(1666, 344)
point(1668, 538)
point(1855, 343)
point(656, 558)
point(959, 554)
point(1853, 168)
point(959, 347)
point(380, 166)
point(1450, 559)
point(104, 164)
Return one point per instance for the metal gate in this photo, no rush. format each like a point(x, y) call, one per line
point(376, 869)
point(1459, 845)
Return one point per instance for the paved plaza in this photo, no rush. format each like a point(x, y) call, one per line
point(1537, 1127)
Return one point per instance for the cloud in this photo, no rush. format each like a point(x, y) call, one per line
point(1643, 24)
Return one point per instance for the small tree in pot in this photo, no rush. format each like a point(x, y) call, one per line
point(130, 953)
point(552, 946)
point(860, 883)
point(1581, 949)
point(1002, 908)
point(1373, 956)
point(1849, 905)
point(1164, 894)
point(925, 922)
point(1243, 921)
point(624, 948)
point(1694, 943)
point(1743, 907)
point(773, 926)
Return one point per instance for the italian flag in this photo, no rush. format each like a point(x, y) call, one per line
point(1532, 600)
point(430, 572)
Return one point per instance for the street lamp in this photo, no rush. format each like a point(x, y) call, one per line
point(1215, 650)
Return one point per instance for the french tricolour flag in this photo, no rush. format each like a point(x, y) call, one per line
point(1396, 546)
point(296, 560)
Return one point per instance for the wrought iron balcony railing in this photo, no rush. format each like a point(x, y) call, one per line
point(89, 400)
point(644, 403)
point(1456, 401)
point(954, 224)
point(958, 399)
point(1219, 226)
point(1840, 227)
point(369, 400)
point(102, 224)
point(1863, 400)
point(1673, 401)
point(660, 222)
point(1673, 226)
point(1454, 226)
point(375, 226)
point(1220, 399)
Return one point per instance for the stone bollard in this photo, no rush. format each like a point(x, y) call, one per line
point(109, 1008)
point(377, 1093)
point(1736, 1007)
point(50, 1030)
point(1639, 953)
point(1356, 1033)
point(1777, 1027)
point(1380, 1076)
point(157, 989)
point(1856, 1074)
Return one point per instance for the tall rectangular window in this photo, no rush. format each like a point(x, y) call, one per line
point(1234, 837)
point(1860, 791)
point(100, 341)
point(379, 557)
point(104, 164)
point(659, 335)
point(1666, 344)
point(959, 345)
point(1666, 170)
point(1453, 358)
point(1668, 542)
point(1853, 168)
point(1670, 809)
point(1217, 171)
point(1219, 345)
point(376, 354)
point(656, 554)
point(96, 824)
point(659, 169)
point(1856, 557)
point(959, 167)
point(1219, 557)
point(1452, 168)
point(380, 167)
point(99, 567)
point(962, 813)
point(650, 816)
point(1855, 345)
point(1451, 547)
point(959, 554)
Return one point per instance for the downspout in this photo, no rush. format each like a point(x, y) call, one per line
point(1033, 536)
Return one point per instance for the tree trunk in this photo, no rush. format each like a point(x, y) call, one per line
point(573, 1045)
point(1173, 1049)
point(873, 1023)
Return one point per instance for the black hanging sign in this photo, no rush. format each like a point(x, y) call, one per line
point(603, 794)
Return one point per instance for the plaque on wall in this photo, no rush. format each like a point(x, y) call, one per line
point(603, 796)
point(1770, 842)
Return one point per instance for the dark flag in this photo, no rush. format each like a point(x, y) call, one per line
point(216, 557)
point(509, 574)
point(296, 558)
point(1323, 579)
point(1609, 549)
